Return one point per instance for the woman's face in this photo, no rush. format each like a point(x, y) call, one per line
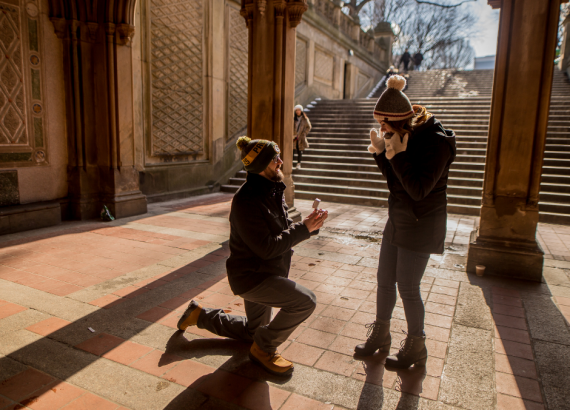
point(385, 127)
point(298, 112)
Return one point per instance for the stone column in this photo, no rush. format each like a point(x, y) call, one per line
point(564, 63)
point(271, 25)
point(505, 241)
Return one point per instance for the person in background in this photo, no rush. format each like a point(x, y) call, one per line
point(302, 127)
point(406, 58)
point(418, 58)
point(414, 153)
point(261, 240)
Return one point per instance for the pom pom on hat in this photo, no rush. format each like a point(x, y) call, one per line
point(397, 82)
point(242, 142)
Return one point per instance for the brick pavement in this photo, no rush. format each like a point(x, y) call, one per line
point(88, 313)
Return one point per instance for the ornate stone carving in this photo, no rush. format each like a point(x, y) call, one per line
point(13, 130)
point(324, 64)
point(126, 33)
point(247, 9)
point(238, 69)
point(279, 7)
point(177, 77)
point(60, 27)
point(261, 5)
point(296, 8)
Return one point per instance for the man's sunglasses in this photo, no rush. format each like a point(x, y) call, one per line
point(276, 159)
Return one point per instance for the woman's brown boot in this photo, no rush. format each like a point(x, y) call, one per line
point(378, 339)
point(413, 351)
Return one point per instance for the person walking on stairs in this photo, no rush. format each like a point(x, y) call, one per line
point(413, 152)
point(406, 58)
point(261, 240)
point(302, 127)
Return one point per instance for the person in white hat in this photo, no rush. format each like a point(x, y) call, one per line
point(301, 128)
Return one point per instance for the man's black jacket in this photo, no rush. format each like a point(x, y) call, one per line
point(262, 234)
point(417, 180)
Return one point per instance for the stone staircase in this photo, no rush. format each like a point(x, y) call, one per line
point(338, 167)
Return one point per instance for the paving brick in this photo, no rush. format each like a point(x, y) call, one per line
point(508, 310)
point(90, 402)
point(261, 396)
point(347, 302)
point(233, 386)
point(446, 283)
point(302, 353)
point(372, 371)
point(156, 362)
point(438, 320)
point(45, 327)
point(127, 352)
point(9, 309)
point(24, 384)
point(107, 301)
point(336, 312)
point(505, 292)
point(296, 402)
point(438, 308)
point(444, 290)
point(515, 365)
point(363, 318)
point(155, 314)
point(515, 335)
point(53, 396)
point(315, 337)
point(327, 324)
point(436, 349)
point(189, 372)
point(336, 363)
point(562, 300)
point(437, 333)
point(507, 300)
point(514, 403)
point(344, 345)
point(100, 344)
point(515, 349)
point(442, 299)
point(518, 387)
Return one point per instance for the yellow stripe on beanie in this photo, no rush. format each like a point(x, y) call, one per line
point(254, 152)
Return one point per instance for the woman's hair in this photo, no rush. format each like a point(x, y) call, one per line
point(421, 115)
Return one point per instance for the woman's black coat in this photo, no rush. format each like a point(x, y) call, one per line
point(417, 180)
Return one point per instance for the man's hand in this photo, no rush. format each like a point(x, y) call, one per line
point(377, 142)
point(396, 144)
point(316, 219)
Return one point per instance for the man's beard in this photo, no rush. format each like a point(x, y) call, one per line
point(276, 176)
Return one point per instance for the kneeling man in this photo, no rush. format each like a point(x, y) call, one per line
point(261, 239)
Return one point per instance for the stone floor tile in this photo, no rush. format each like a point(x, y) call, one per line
point(436, 349)
point(296, 402)
point(515, 365)
point(363, 318)
point(344, 345)
point(124, 292)
point(53, 396)
point(127, 352)
point(446, 283)
point(442, 299)
point(100, 344)
point(261, 396)
point(562, 300)
point(438, 320)
point(330, 289)
point(315, 337)
point(337, 281)
point(505, 402)
point(324, 298)
point(509, 321)
point(347, 302)
point(508, 310)
point(233, 386)
point(505, 292)
point(336, 363)
point(156, 362)
point(518, 387)
point(155, 314)
point(47, 326)
point(510, 348)
point(515, 335)
point(355, 331)
point(437, 333)
point(444, 290)
point(446, 310)
point(368, 307)
point(24, 384)
point(177, 303)
point(327, 324)
point(189, 372)
point(302, 353)
point(9, 309)
point(339, 313)
point(90, 401)
point(64, 289)
point(309, 284)
point(507, 300)
point(434, 366)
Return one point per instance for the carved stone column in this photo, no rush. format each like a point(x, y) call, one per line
point(100, 125)
point(506, 239)
point(271, 93)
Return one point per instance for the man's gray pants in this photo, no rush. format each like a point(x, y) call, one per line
point(296, 304)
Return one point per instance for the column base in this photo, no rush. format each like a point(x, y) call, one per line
point(125, 205)
point(294, 214)
point(506, 258)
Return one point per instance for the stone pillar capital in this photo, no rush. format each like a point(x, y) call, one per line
point(279, 7)
point(296, 8)
point(60, 28)
point(496, 4)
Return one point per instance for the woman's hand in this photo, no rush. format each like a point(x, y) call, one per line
point(316, 219)
point(377, 142)
point(396, 144)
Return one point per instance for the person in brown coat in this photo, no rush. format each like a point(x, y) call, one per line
point(302, 127)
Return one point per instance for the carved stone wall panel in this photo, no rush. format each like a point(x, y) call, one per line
point(324, 64)
point(362, 81)
point(238, 69)
point(301, 63)
point(177, 77)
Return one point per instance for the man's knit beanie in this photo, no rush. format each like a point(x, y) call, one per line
point(257, 154)
point(393, 105)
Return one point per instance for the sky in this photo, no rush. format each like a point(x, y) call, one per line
point(485, 43)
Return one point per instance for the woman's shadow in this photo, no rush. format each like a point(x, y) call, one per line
point(408, 382)
point(233, 382)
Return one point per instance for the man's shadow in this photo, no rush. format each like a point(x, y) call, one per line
point(236, 382)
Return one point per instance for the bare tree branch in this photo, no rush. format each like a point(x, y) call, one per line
point(446, 6)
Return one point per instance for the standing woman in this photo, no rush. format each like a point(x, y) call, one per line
point(302, 127)
point(414, 153)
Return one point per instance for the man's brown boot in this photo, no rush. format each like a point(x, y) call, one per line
point(190, 316)
point(273, 363)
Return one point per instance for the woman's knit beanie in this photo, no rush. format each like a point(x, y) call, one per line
point(393, 105)
point(257, 154)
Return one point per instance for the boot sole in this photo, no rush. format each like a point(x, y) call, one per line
point(383, 349)
point(287, 373)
